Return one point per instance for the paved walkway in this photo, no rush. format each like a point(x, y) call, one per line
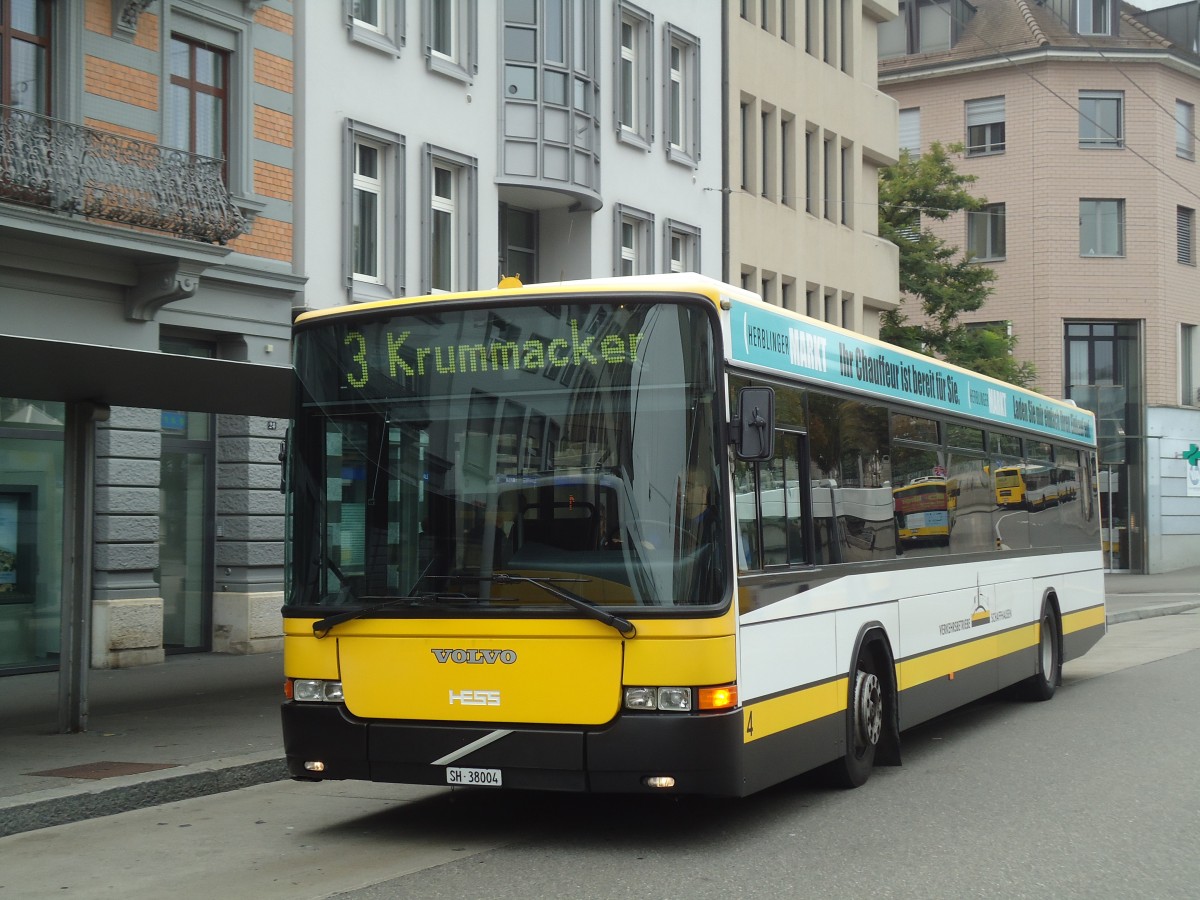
point(204, 723)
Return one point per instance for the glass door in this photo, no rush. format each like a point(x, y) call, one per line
point(185, 555)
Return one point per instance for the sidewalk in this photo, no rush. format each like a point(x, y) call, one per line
point(204, 723)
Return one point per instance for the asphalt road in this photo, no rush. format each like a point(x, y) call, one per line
point(1094, 794)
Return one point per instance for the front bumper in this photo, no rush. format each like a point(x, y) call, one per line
point(703, 753)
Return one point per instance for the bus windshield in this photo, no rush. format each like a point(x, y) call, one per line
point(463, 457)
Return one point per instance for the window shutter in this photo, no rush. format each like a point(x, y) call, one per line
point(985, 111)
point(1184, 222)
point(910, 130)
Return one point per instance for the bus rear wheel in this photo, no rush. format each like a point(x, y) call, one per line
point(1042, 684)
point(864, 723)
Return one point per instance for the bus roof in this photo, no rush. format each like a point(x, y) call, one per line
point(685, 282)
point(777, 341)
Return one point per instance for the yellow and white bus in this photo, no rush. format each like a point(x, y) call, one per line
point(638, 535)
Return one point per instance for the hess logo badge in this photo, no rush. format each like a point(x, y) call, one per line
point(475, 698)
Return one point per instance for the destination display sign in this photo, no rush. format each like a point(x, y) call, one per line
point(392, 353)
point(763, 337)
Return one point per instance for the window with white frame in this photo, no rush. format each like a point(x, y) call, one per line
point(373, 245)
point(910, 130)
point(635, 104)
point(1101, 119)
point(985, 126)
point(787, 159)
point(450, 32)
point(846, 57)
point(1101, 227)
point(1185, 130)
point(445, 228)
point(812, 165)
point(1189, 365)
point(767, 151)
point(367, 216)
point(634, 244)
point(682, 245)
point(1185, 235)
point(682, 106)
point(377, 23)
point(747, 143)
point(449, 232)
point(985, 232)
point(831, 177)
point(370, 13)
point(1094, 17)
point(829, 39)
point(847, 172)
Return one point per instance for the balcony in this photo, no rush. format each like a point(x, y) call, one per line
point(75, 170)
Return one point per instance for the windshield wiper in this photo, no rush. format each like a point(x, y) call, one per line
point(624, 626)
point(323, 626)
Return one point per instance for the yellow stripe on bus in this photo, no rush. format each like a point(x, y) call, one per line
point(1085, 618)
point(919, 670)
point(768, 717)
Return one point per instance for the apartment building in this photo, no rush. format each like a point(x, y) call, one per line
point(1078, 119)
point(807, 130)
point(146, 291)
point(448, 143)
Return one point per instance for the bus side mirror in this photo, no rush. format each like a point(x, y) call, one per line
point(753, 427)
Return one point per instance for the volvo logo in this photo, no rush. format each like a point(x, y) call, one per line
point(475, 657)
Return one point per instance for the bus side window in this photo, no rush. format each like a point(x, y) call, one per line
point(745, 490)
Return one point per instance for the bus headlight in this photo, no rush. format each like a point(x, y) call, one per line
point(641, 698)
point(316, 690)
point(675, 699)
point(682, 699)
point(664, 699)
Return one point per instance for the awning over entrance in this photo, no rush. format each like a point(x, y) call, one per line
point(87, 378)
point(37, 369)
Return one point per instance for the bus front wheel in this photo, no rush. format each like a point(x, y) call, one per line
point(864, 723)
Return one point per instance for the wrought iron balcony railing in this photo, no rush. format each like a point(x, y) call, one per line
point(56, 165)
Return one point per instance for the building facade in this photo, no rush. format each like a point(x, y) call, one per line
point(1078, 120)
point(807, 130)
point(147, 286)
point(453, 142)
point(179, 177)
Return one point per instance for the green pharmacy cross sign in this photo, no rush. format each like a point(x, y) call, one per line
point(1192, 470)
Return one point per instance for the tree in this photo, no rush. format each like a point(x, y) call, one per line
point(939, 275)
